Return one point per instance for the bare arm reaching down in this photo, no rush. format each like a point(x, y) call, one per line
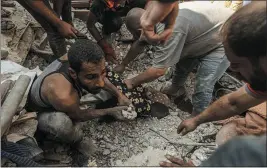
point(122, 99)
point(136, 48)
point(107, 48)
point(229, 105)
point(64, 28)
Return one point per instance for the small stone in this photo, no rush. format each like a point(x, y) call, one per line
point(106, 139)
point(106, 152)
point(119, 163)
point(116, 141)
point(145, 144)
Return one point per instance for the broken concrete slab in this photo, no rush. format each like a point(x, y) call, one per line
point(28, 127)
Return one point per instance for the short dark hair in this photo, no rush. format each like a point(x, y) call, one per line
point(84, 50)
point(245, 31)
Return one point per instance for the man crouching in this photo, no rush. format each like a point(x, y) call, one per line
point(56, 93)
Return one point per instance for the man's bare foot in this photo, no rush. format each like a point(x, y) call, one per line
point(119, 69)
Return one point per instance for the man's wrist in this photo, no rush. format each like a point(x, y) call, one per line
point(197, 120)
point(58, 24)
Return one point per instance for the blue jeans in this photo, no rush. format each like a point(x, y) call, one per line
point(210, 69)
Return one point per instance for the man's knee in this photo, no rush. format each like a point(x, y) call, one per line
point(60, 126)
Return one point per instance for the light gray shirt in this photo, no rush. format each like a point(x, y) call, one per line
point(195, 34)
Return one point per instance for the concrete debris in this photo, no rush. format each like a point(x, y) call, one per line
point(130, 113)
point(28, 127)
point(106, 152)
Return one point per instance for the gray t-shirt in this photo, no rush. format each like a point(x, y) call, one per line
point(195, 34)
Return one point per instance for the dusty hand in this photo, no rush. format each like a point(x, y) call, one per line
point(116, 112)
point(158, 12)
point(119, 69)
point(175, 162)
point(187, 126)
point(67, 30)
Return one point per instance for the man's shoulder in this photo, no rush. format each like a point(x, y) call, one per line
point(57, 84)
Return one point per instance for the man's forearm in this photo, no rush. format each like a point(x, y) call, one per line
point(89, 114)
point(219, 110)
point(111, 88)
point(229, 105)
point(136, 48)
point(95, 33)
point(92, 28)
point(40, 7)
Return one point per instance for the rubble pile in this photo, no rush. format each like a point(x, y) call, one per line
point(130, 143)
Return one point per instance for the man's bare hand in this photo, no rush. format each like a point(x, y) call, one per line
point(116, 112)
point(157, 12)
point(187, 126)
point(67, 30)
point(175, 162)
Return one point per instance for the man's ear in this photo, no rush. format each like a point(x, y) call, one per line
point(73, 74)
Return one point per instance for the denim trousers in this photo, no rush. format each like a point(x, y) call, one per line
point(210, 69)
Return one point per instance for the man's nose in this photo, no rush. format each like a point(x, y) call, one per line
point(101, 82)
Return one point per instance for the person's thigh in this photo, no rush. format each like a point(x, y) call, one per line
point(210, 70)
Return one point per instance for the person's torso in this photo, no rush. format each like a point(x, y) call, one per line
point(200, 22)
point(36, 100)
